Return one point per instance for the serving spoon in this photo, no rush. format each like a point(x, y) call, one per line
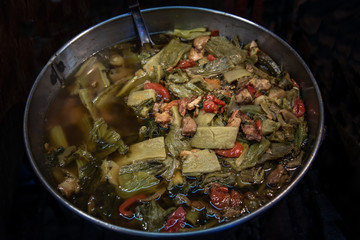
point(139, 23)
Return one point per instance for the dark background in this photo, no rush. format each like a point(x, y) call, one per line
point(324, 205)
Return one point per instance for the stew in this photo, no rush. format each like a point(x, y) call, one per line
point(196, 131)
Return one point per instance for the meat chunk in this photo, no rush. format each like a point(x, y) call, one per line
point(278, 176)
point(195, 54)
point(168, 106)
point(244, 97)
point(189, 126)
point(182, 106)
point(245, 118)
point(163, 119)
point(235, 119)
point(260, 84)
point(157, 107)
point(69, 186)
point(200, 42)
point(248, 125)
point(251, 131)
point(193, 103)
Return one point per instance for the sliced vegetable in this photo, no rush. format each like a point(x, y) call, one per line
point(215, 137)
point(211, 69)
point(139, 97)
point(105, 140)
point(168, 57)
point(139, 78)
point(277, 150)
point(204, 119)
point(186, 90)
point(151, 149)
point(204, 84)
point(236, 73)
point(191, 34)
point(203, 161)
point(269, 126)
point(255, 151)
point(136, 181)
point(123, 209)
point(300, 134)
point(152, 167)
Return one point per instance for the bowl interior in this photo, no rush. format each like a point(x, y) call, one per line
point(120, 28)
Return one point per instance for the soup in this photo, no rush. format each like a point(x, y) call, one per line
point(193, 132)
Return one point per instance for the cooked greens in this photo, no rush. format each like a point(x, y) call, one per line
point(191, 133)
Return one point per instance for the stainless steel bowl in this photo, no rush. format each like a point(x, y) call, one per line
point(120, 28)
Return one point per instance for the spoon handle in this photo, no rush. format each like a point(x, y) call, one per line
point(139, 22)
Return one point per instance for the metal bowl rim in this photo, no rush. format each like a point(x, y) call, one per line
point(229, 225)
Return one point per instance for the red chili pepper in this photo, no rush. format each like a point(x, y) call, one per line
point(235, 199)
point(210, 57)
point(251, 89)
point(220, 196)
point(258, 124)
point(215, 33)
point(160, 90)
point(231, 153)
point(210, 107)
point(123, 209)
point(299, 107)
point(176, 220)
point(215, 100)
point(258, 94)
point(295, 84)
point(186, 64)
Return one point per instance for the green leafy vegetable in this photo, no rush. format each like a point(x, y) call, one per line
point(150, 149)
point(175, 142)
point(139, 78)
point(191, 34)
point(151, 167)
point(214, 137)
point(252, 156)
point(203, 161)
point(106, 140)
point(211, 69)
point(221, 47)
point(135, 181)
point(152, 215)
point(186, 90)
